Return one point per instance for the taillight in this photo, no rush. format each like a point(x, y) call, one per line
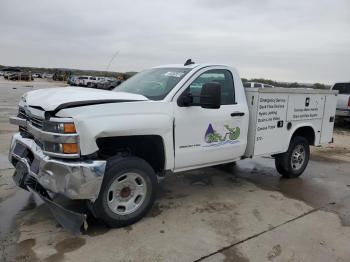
point(349, 102)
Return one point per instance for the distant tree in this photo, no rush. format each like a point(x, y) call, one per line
point(320, 86)
point(265, 81)
point(293, 85)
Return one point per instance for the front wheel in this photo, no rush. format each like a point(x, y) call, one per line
point(292, 163)
point(127, 192)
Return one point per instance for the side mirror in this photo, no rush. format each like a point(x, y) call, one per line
point(211, 95)
point(185, 100)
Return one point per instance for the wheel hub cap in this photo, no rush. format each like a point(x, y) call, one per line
point(126, 193)
point(298, 157)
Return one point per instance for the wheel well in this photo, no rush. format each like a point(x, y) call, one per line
point(307, 132)
point(148, 147)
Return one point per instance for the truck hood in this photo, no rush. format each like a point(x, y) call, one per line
point(52, 99)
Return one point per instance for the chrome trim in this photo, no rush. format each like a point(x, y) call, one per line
point(14, 120)
point(52, 137)
point(73, 179)
point(59, 155)
point(60, 120)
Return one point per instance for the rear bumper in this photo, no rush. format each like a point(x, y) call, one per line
point(72, 178)
point(342, 112)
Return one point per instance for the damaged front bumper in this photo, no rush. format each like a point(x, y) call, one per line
point(35, 171)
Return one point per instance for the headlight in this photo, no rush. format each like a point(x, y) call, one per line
point(60, 147)
point(56, 127)
point(64, 148)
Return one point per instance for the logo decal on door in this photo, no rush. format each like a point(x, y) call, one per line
point(213, 138)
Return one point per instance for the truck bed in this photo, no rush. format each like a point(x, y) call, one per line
point(276, 113)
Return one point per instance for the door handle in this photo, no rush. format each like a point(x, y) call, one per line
point(237, 114)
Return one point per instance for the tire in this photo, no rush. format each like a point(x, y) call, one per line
point(292, 163)
point(127, 193)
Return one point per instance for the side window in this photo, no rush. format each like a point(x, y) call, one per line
point(246, 84)
point(257, 85)
point(221, 76)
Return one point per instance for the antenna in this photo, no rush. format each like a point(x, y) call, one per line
point(110, 62)
point(189, 62)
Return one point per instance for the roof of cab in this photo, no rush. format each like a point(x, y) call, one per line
point(191, 66)
point(178, 66)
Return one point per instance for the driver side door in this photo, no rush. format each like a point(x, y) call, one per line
point(208, 136)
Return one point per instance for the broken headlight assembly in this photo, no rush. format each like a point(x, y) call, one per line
point(61, 128)
point(61, 148)
point(64, 138)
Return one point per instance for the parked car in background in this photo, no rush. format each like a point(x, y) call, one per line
point(47, 75)
point(108, 85)
point(343, 102)
point(72, 80)
point(59, 76)
point(255, 84)
point(22, 76)
point(36, 75)
point(86, 80)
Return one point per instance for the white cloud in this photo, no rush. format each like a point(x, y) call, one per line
point(284, 40)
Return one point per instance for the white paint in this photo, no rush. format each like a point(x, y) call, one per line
point(191, 149)
point(50, 99)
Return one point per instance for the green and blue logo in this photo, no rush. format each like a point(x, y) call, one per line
point(213, 138)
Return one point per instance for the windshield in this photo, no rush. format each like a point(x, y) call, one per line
point(155, 83)
point(344, 88)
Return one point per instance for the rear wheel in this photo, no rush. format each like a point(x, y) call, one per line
point(292, 163)
point(127, 192)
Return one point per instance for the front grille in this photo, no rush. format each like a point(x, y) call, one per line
point(34, 121)
point(37, 122)
point(22, 113)
point(24, 132)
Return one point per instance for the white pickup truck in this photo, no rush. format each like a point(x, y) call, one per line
point(109, 147)
point(343, 103)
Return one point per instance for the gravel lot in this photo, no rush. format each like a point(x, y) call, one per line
point(245, 214)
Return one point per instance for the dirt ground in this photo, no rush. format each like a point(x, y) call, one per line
point(245, 214)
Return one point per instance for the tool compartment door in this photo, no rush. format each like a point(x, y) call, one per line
point(271, 133)
point(305, 107)
point(328, 119)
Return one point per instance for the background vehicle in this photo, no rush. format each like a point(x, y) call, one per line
point(22, 76)
point(60, 76)
point(88, 81)
point(343, 102)
point(255, 84)
point(109, 147)
point(36, 75)
point(47, 75)
point(72, 80)
point(108, 84)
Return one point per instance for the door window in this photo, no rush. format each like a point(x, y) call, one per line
point(220, 76)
